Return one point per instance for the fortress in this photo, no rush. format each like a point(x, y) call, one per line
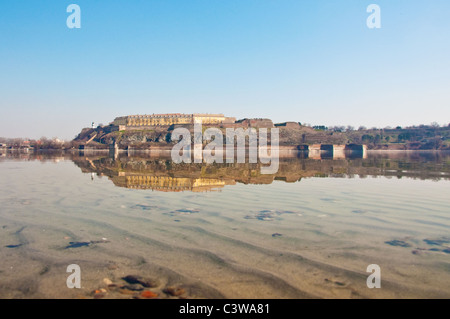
point(140, 121)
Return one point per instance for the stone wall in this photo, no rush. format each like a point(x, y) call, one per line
point(256, 123)
point(289, 124)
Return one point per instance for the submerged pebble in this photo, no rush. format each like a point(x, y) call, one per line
point(125, 291)
point(174, 291)
point(133, 287)
point(148, 294)
point(107, 281)
point(399, 243)
point(144, 207)
point(13, 246)
point(183, 211)
point(77, 244)
point(437, 242)
point(146, 282)
point(99, 293)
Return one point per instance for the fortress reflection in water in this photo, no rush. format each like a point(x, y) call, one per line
point(168, 183)
point(161, 174)
point(157, 172)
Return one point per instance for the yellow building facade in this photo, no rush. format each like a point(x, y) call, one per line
point(173, 184)
point(170, 119)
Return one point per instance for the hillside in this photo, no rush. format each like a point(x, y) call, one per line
point(411, 138)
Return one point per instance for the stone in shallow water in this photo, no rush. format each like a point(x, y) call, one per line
point(125, 291)
point(146, 282)
point(13, 246)
point(437, 242)
point(174, 291)
point(107, 281)
point(144, 207)
point(148, 294)
point(264, 215)
point(133, 287)
point(188, 210)
point(396, 242)
point(77, 244)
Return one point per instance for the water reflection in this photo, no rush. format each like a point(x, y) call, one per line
point(158, 172)
point(144, 172)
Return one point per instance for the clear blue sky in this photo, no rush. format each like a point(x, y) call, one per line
point(289, 60)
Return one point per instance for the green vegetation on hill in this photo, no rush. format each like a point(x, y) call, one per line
point(422, 137)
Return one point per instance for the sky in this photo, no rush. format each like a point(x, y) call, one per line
point(313, 62)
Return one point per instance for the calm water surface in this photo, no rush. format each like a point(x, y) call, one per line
point(225, 231)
